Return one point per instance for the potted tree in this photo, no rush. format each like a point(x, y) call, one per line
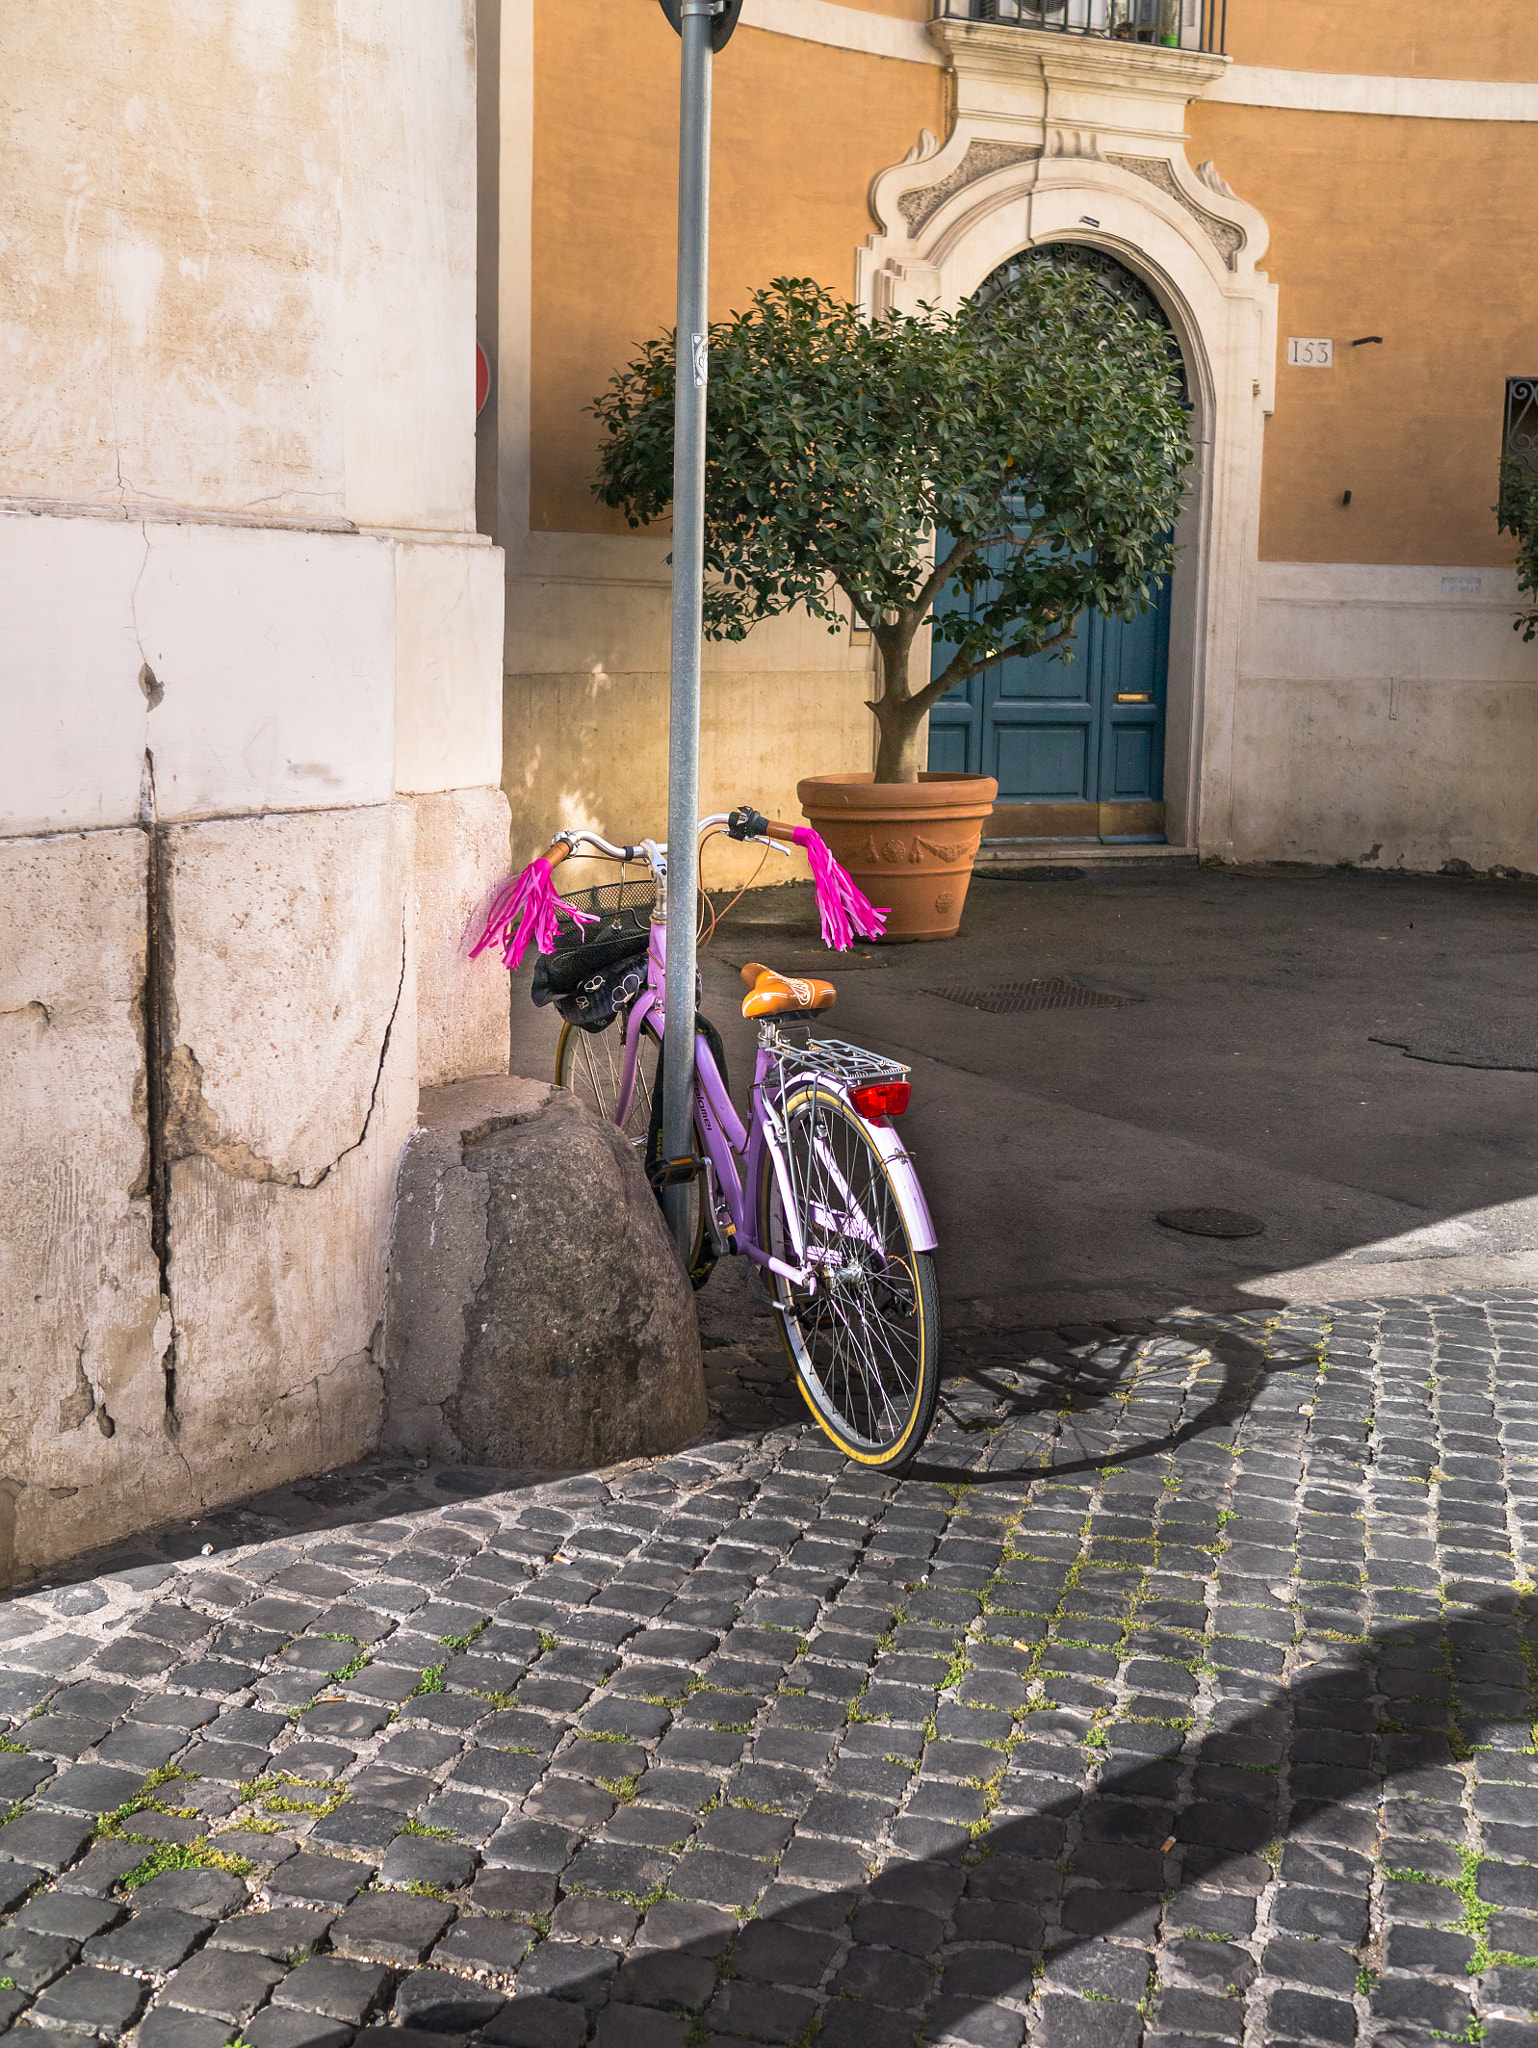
point(991, 471)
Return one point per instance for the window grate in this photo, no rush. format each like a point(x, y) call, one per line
point(1521, 442)
point(1169, 24)
point(1052, 993)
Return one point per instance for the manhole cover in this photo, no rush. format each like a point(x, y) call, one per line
point(1211, 1222)
point(1050, 994)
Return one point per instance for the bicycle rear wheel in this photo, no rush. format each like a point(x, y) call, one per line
point(866, 1344)
point(592, 1064)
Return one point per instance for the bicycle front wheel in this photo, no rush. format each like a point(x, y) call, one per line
point(592, 1064)
point(866, 1344)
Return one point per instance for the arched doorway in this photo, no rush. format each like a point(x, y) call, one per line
point(1077, 747)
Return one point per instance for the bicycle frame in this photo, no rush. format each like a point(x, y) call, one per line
point(728, 1141)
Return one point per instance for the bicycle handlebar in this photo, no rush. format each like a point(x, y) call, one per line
point(742, 824)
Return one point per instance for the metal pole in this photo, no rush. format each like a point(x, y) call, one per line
point(695, 24)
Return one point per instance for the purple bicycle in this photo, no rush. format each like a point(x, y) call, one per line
point(816, 1188)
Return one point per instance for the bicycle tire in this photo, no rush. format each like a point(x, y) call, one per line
point(591, 1064)
point(855, 1319)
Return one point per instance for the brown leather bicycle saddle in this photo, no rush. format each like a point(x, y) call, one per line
point(776, 995)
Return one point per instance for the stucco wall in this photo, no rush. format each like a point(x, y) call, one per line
point(248, 801)
point(1396, 228)
point(1393, 38)
point(799, 132)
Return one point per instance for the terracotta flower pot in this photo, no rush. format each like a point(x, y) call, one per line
point(909, 845)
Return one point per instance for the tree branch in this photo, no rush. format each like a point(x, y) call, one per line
point(959, 670)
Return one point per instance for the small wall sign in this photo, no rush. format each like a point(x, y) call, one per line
point(1303, 354)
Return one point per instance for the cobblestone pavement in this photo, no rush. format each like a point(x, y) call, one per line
point(1185, 1694)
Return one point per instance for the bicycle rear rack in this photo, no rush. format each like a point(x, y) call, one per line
point(835, 1058)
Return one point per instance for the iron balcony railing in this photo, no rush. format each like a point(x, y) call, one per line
point(1168, 24)
point(1522, 421)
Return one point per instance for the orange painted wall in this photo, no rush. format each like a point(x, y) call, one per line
point(905, 10)
point(1401, 228)
point(1394, 38)
point(799, 132)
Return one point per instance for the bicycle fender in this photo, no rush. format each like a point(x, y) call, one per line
point(905, 1183)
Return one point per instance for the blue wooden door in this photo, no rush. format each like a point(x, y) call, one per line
point(1054, 732)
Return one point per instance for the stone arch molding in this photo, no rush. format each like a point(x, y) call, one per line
point(1087, 145)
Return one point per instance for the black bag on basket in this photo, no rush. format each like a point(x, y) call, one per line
point(596, 970)
point(591, 985)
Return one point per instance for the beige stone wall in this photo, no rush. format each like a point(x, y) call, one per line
point(1385, 717)
point(586, 719)
point(82, 1334)
point(249, 800)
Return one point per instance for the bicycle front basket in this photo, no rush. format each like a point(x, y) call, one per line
point(622, 908)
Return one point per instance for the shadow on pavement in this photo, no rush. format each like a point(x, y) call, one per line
point(1072, 1891)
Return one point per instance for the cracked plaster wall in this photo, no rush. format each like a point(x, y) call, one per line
point(280, 1163)
point(251, 666)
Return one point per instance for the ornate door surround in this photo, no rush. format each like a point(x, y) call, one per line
point(1058, 138)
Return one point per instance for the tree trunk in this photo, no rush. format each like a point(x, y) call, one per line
point(898, 718)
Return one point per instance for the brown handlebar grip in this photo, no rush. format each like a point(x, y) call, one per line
point(557, 853)
point(776, 831)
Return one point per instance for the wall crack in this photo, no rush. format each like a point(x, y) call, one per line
point(192, 1131)
point(159, 1030)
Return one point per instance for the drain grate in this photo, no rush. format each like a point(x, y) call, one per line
point(1051, 994)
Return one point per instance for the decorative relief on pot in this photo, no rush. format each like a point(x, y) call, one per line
point(947, 854)
point(893, 849)
point(944, 901)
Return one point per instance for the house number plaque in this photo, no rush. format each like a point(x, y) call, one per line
point(1309, 355)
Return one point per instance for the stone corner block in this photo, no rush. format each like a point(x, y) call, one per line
point(537, 1314)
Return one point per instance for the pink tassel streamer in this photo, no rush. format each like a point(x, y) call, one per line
point(846, 911)
point(530, 899)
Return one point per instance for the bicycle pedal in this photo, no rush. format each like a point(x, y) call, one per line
point(671, 1173)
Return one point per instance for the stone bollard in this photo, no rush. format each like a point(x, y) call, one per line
point(537, 1314)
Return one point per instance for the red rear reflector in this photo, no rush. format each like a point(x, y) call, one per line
point(881, 1098)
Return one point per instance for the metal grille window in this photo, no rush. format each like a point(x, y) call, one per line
point(1170, 24)
point(1521, 442)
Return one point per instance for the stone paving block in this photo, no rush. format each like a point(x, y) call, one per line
point(578, 1971)
point(531, 2021)
point(285, 1933)
point(62, 1735)
point(339, 1990)
point(47, 1840)
point(531, 1845)
point(525, 1894)
point(390, 1929)
point(364, 1830)
point(89, 2000)
point(167, 2026)
point(484, 1946)
point(155, 1940)
point(437, 2003)
point(343, 1721)
point(228, 1983)
point(280, 2027)
point(32, 1960)
point(312, 1880)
